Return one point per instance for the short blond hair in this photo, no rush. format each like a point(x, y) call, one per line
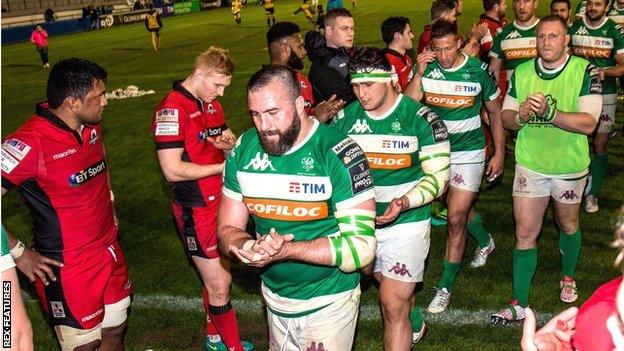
point(216, 59)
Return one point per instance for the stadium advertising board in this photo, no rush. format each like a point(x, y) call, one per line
point(209, 4)
point(106, 21)
point(186, 7)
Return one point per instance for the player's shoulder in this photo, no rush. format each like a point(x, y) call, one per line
point(26, 139)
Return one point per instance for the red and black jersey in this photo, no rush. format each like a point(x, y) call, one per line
point(425, 38)
point(305, 89)
point(183, 121)
point(485, 45)
point(62, 175)
point(402, 66)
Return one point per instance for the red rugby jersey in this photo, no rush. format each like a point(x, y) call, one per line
point(402, 66)
point(485, 45)
point(305, 89)
point(183, 121)
point(62, 176)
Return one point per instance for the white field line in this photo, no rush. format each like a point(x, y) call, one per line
point(368, 313)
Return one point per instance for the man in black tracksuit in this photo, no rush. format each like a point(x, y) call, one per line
point(329, 73)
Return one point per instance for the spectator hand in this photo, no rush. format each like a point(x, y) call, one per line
point(554, 336)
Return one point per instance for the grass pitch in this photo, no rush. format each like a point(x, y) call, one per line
point(166, 314)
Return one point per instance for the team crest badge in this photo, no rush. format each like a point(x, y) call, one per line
point(521, 182)
point(307, 163)
point(396, 126)
point(57, 309)
point(211, 109)
point(190, 242)
point(466, 76)
point(94, 137)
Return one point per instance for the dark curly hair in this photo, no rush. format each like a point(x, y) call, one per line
point(369, 58)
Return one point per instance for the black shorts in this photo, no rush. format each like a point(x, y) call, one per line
point(269, 11)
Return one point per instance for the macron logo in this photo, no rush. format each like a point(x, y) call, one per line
point(513, 35)
point(582, 31)
point(436, 74)
point(260, 163)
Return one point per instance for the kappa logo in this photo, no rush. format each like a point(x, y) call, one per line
point(436, 74)
point(458, 179)
point(582, 31)
point(569, 195)
point(260, 163)
point(315, 347)
point(513, 35)
point(400, 269)
point(360, 127)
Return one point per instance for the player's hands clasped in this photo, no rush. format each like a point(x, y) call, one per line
point(264, 250)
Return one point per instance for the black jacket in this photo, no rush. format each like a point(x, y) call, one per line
point(329, 73)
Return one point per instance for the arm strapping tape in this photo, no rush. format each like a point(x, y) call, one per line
point(436, 164)
point(355, 247)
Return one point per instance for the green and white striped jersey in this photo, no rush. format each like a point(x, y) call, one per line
point(514, 44)
point(298, 192)
point(617, 15)
point(392, 144)
point(599, 45)
point(456, 96)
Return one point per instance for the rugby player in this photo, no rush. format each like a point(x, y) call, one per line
point(397, 33)
point(310, 193)
point(409, 154)
point(192, 139)
point(236, 9)
point(601, 41)
point(56, 161)
point(286, 48)
point(269, 11)
point(515, 43)
point(554, 102)
point(561, 8)
point(455, 86)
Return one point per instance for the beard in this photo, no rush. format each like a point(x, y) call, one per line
point(284, 142)
point(294, 61)
point(594, 15)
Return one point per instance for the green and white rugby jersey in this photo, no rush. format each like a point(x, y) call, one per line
point(582, 7)
point(541, 146)
point(514, 44)
point(298, 193)
point(6, 261)
point(392, 144)
point(456, 96)
point(617, 15)
point(599, 45)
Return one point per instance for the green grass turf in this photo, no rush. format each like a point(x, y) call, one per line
point(156, 262)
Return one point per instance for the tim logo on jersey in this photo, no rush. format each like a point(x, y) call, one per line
point(87, 174)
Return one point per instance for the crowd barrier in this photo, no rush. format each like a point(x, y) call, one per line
point(20, 34)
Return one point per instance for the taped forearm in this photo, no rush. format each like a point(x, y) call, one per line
point(355, 247)
point(435, 161)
